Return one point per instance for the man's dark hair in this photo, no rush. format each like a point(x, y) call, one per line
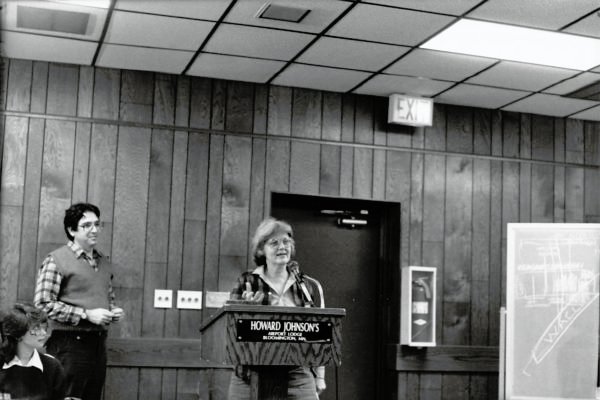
point(74, 213)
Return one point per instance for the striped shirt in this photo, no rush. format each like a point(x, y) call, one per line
point(48, 288)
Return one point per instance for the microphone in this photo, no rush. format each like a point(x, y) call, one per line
point(294, 269)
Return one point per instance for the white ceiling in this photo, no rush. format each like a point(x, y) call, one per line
point(366, 47)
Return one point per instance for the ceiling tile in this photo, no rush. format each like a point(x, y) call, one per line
point(156, 31)
point(143, 58)
point(454, 7)
point(322, 13)
point(534, 13)
point(206, 9)
point(320, 78)
point(479, 96)
point(514, 75)
point(234, 68)
point(592, 114)
point(95, 24)
point(257, 42)
point(384, 85)
point(47, 48)
point(588, 26)
point(439, 65)
point(352, 54)
point(573, 84)
point(548, 104)
point(388, 25)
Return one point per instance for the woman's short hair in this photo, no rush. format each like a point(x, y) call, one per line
point(265, 230)
point(14, 324)
point(74, 213)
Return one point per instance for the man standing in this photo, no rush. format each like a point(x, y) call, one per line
point(74, 287)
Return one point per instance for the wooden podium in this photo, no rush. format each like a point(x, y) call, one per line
point(269, 338)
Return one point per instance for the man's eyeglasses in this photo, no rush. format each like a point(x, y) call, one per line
point(40, 330)
point(88, 225)
point(274, 243)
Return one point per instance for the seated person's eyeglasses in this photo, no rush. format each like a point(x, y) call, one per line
point(88, 225)
point(40, 330)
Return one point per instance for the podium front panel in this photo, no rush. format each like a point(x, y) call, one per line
point(265, 335)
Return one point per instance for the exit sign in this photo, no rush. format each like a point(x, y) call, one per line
point(413, 111)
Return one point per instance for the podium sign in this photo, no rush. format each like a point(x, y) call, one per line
point(245, 334)
point(256, 330)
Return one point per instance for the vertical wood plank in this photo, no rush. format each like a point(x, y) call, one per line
point(234, 210)
point(31, 205)
point(559, 171)
point(101, 179)
point(106, 93)
point(219, 104)
point(57, 177)
point(85, 93)
point(12, 188)
point(63, 82)
point(19, 84)
point(39, 87)
point(480, 254)
point(240, 107)
point(130, 210)
point(305, 157)
point(257, 192)
point(574, 177)
point(261, 104)
point(457, 242)
point(380, 139)
point(176, 234)
point(83, 132)
point(213, 212)
point(362, 176)
point(201, 94)
point(347, 153)
point(329, 175)
point(198, 228)
point(165, 92)
point(182, 101)
point(4, 67)
point(157, 230)
point(591, 176)
point(279, 111)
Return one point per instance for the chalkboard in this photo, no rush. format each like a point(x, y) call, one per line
point(552, 311)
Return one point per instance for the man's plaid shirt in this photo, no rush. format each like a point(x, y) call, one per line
point(48, 288)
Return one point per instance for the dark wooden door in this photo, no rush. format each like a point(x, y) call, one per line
point(346, 262)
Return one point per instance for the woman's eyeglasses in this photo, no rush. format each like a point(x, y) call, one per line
point(86, 226)
point(275, 243)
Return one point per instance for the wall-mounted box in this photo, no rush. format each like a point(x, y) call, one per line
point(417, 314)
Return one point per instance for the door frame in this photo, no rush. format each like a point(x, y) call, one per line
point(388, 286)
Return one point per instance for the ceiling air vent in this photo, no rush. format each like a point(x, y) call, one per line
point(282, 13)
point(589, 92)
point(51, 20)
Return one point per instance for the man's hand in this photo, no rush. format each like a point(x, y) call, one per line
point(99, 316)
point(320, 384)
point(118, 313)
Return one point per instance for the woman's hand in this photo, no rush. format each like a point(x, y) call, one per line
point(249, 295)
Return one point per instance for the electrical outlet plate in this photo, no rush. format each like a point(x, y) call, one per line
point(189, 299)
point(163, 298)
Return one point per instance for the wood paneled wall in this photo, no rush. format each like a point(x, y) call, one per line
point(182, 169)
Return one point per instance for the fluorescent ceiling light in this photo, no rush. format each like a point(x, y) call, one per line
point(507, 42)
point(87, 3)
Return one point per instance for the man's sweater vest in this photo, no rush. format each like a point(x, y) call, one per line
point(81, 285)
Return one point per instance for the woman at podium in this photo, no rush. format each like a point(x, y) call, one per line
point(277, 281)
